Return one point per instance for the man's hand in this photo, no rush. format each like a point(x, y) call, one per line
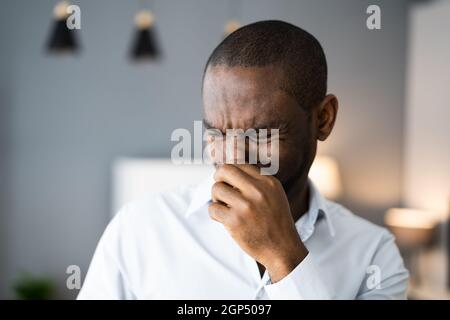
point(255, 211)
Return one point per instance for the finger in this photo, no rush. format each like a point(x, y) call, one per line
point(250, 169)
point(225, 193)
point(218, 211)
point(234, 176)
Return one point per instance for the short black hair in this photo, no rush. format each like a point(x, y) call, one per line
point(281, 44)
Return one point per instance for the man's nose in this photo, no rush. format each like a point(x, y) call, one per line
point(236, 150)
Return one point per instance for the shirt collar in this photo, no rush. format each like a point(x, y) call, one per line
point(317, 209)
point(201, 196)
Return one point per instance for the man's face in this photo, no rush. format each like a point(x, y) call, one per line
point(250, 97)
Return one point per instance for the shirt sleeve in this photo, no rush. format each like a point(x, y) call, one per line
point(303, 283)
point(105, 279)
point(386, 277)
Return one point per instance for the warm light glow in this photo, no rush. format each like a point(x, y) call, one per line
point(410, 218)
point(60, 10)
point(232, 26)
point(144, 19)
point(325, 175)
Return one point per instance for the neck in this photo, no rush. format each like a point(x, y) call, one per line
point(298, 196)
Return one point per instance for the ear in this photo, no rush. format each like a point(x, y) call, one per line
point(326, 116)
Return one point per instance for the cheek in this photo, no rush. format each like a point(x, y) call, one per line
point(286, 156)
point(294, 158)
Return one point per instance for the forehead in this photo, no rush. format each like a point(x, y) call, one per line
point(241, 97)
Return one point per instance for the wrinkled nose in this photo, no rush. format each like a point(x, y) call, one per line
point(232, 150)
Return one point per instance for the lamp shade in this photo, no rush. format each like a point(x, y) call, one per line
point(61, 39)
point(325, 175)
point(409, 218)
point(145, 44)
point(411, 227)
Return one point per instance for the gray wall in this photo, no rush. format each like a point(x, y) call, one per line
point(427, 152)
point(64, 119)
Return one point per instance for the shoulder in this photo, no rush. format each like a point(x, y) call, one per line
point(367, 243)
point(350, 227)
point(154, 211)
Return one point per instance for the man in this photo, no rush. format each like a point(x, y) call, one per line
point(243, 235)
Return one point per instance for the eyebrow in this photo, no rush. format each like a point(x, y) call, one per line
point(268, 127)
point(208, 125)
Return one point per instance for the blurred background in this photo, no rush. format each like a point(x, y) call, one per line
point(71, 112)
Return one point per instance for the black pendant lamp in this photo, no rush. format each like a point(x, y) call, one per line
point(62, 39)
point(145, 46)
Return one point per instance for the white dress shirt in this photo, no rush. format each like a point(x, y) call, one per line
point(167, 247)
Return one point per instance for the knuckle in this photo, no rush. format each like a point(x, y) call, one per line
point(234, 221)
point(221, 171)
point(213, 211)
point(218, 173)
point(258, 194)
point(228, 168)
point(246, 206)
point(272, 181)
point(215, 188)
